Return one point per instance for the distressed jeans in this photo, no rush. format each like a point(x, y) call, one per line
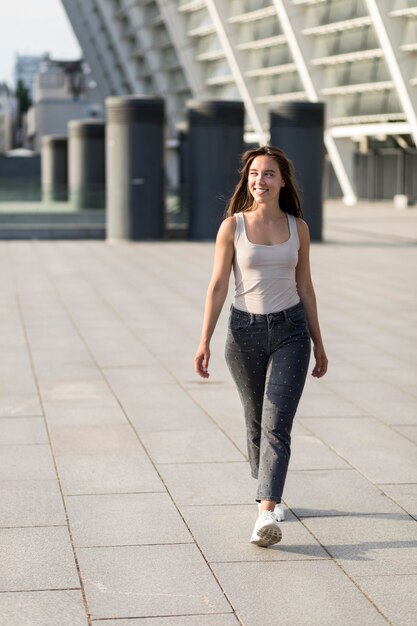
point(268, 357)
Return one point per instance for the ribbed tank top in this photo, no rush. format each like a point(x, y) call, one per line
point(265, 274)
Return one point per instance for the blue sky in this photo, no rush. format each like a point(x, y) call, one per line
point(34, 27)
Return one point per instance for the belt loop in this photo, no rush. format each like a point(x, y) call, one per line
point(252, 319)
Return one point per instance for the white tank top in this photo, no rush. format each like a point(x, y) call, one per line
point(265, 274)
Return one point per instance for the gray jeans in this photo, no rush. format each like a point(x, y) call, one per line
point(268, 357)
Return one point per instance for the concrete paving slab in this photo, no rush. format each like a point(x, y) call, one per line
point(153, 410)
point(22, 430)
point(327, 405)
point(370, 545)
point(183, 368)
point(395, 413)
point(404, 495)
point(401, 377)
point(37, 559)
point(31, 503)
point(125, 519)
point(107, 473)
point(183, 620)
point(310, 593)
point(112, 352)
point(333, 492)
point(28, 608)
point(395, 596)
point(95, 439)
point(64, 415)
point(196, 446)
point(20, 404)
point(410, 432)
point(130, 379)
point(364, 393)
point(26, 462)
point(376, 450)
point(71, 390)
point(67, 372)
point(165, 342)
point(309, 453)
point(171, 580)
point(223, 533)
point(221, 402)
point(209, 483)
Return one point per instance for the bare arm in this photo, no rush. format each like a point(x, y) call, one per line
point(308, 297)
point(216, 292)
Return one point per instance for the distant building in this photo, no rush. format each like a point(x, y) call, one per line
point(8, 114)
point(26, 68)
point(61, 93)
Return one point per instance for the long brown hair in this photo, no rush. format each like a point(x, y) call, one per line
point(289, 198)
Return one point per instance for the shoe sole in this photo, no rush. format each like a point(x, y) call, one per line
point(268, 535)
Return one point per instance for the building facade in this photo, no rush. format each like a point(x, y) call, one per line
point(25, 69)
point(8, 118)
point(60, 94)
point(358, 56)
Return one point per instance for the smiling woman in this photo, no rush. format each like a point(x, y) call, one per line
point(34, 28)
point(272, 322)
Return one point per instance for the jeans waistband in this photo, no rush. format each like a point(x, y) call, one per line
point(276, 315)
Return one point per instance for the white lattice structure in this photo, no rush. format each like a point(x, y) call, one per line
point(359, 56)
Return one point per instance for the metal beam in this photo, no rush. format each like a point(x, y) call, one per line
point(388, 31)
point(224, 32)
point(290, 18)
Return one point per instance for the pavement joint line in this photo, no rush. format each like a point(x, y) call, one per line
point(22, 445)
point(21, 417)
point(40, 590)
point(33, 368)
point(136, 545)
point(415, 483)
point(111, 493)
point(106, 619)
point(32, 526)
point(71, 319)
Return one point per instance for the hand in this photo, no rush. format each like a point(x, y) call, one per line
point(201, 361)
point(321, 362)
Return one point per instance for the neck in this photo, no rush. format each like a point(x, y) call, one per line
point(268, 210)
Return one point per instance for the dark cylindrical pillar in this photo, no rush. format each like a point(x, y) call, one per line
point(135, 178)
point(86, 164)
point(298, 129)
point(54, 168)
point(215, 143)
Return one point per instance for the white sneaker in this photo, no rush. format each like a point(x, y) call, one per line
point(279, 511)
point(266, 531)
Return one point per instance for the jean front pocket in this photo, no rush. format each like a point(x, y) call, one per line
point(297, 318)
point(238, 321)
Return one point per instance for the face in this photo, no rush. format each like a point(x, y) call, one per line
point(264, 179)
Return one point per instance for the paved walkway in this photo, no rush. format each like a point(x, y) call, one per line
point(125, 493)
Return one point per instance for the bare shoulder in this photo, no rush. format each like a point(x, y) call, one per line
point(227, 229)
point(303, 230)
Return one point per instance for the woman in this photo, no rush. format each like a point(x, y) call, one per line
point(272, 322)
